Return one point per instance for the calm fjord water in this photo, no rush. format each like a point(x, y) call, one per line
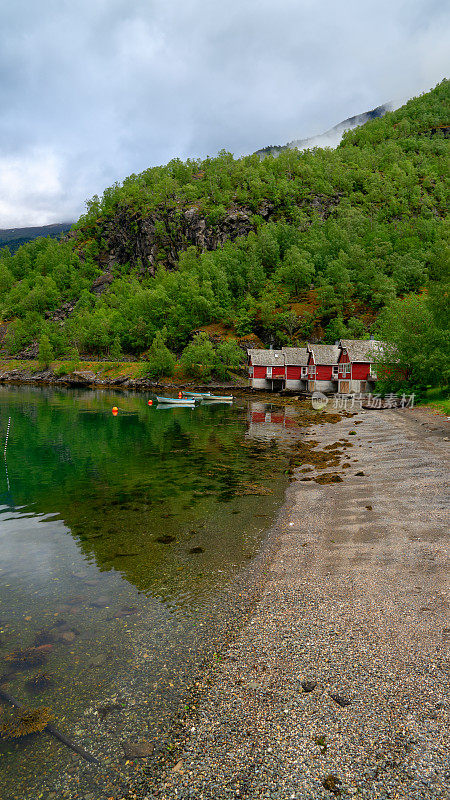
point(120, 539)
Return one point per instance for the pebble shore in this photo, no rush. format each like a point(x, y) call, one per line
point(337, 685)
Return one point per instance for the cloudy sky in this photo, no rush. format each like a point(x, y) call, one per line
point(94, 90)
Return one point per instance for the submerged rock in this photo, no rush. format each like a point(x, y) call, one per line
point(67, 636)
point(103, 711)
point(165, 539)
point(30, 657)
point(137, 749)
point(44, 637)
point(40, 682)
point(100, 602)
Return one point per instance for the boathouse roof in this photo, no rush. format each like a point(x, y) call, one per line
point(295, 356)
point(362, 349)
point(266, 358)
point(324, 353)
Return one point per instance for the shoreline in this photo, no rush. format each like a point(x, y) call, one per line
point(87, 377)
point(341, 607)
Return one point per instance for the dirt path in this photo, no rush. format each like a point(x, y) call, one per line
point(356, 603)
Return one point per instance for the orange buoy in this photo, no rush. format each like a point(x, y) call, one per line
point(180, 395)
point(150, 402)
point(115, 410)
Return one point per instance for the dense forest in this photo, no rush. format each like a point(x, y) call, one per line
point(315, 244)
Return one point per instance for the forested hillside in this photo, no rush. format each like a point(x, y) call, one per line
point(16, 237)
point(306, 245)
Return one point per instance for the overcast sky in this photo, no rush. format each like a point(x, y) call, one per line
point(94, 90)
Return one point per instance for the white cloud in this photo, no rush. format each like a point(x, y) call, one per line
point(30, 189)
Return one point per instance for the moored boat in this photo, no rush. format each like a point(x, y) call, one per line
point(176, 401)
point(198, 395)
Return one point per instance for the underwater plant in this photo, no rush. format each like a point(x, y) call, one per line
point(39, 682)
point(24, 721)
point(30, 657)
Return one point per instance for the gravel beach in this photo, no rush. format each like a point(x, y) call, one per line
point(337, 685)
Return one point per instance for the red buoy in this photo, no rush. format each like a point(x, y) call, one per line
point(115, 411)
point(150, 402)
point(180, 395)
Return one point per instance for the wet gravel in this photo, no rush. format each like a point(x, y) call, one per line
point(337, 685)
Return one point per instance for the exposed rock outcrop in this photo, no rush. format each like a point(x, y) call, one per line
point(160, 237)
point(144, 242)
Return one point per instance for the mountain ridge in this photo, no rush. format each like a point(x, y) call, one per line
point(16, 237)
point(329, 138)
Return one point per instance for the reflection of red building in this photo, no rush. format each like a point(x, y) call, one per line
point(266, 422)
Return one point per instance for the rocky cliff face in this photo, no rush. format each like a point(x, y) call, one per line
point(159, 238)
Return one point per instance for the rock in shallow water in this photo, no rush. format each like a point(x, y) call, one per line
point(137, 749)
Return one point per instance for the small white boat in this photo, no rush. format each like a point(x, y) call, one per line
point(198, 395)
point(176, 401)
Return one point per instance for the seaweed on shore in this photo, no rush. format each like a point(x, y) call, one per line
point(252, 489)
point(332, 784)
point(329, 477)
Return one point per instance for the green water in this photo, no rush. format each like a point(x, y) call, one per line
point(121, 539)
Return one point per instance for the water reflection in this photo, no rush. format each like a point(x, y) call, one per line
point(267, 421)
point(119, 539)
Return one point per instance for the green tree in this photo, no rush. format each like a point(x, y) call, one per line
point(297, 270)
point(74, 359)
point(46, 354)
point(198, 357)
point(228, 356)
point(418, 342)
point(160, 361)
point(115, 351)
